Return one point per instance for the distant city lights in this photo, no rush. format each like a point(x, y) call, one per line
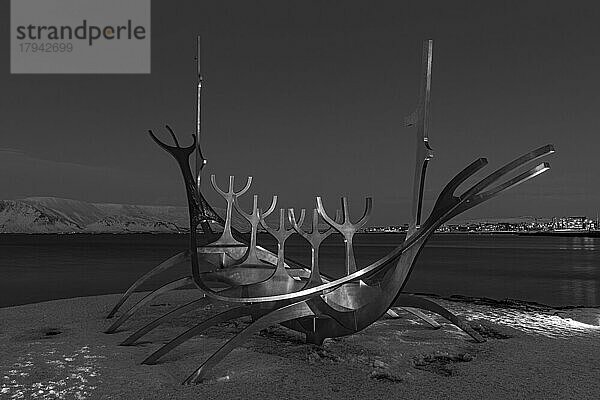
point(556, 224)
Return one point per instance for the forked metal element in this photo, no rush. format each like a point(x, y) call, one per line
point(203, 212)
point(251, 256)
point(226, 239)
point(315, 238)
point(347, 228)
point(281, 234)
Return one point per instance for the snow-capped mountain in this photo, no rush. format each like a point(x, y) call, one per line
point(56, 215)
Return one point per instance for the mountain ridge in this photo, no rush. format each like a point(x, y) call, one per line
point(58, 215)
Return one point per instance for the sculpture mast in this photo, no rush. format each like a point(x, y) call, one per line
point(200, 160)
point(424, 152)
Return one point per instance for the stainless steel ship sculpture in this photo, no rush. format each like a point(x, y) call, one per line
point(273, 289)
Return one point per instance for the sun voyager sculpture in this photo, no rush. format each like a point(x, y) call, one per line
point(272, 289)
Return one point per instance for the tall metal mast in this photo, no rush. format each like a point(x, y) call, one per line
point(200, 160)
point(424, 152)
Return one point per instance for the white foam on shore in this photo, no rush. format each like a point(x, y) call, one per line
point(532, 322)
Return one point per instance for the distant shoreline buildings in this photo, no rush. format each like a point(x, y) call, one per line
point(576, 224)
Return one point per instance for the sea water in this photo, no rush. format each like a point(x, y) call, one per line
point(556, 271)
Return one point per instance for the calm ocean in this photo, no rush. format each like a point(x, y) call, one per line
point(556, 271)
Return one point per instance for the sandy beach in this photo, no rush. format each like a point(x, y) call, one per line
point(57, 350)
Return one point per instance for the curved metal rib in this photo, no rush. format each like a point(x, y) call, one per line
point(417, 313)
point(165, 265)
point(192, 305)
point(287, 313)
point(262, 254)
point(476, 199)
point(232, 313)
point(446, 199)
point(149, 297)
point(511, 166)
point(426, 304)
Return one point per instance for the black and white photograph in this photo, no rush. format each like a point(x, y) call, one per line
point(310, 199)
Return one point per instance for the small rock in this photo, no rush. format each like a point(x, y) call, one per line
point(313, 358)
point(419, 361)
point(384, 375)
point(488, 331)
point(379, 364)
point(51, 332)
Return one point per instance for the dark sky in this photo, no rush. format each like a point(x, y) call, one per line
point(310, 97)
